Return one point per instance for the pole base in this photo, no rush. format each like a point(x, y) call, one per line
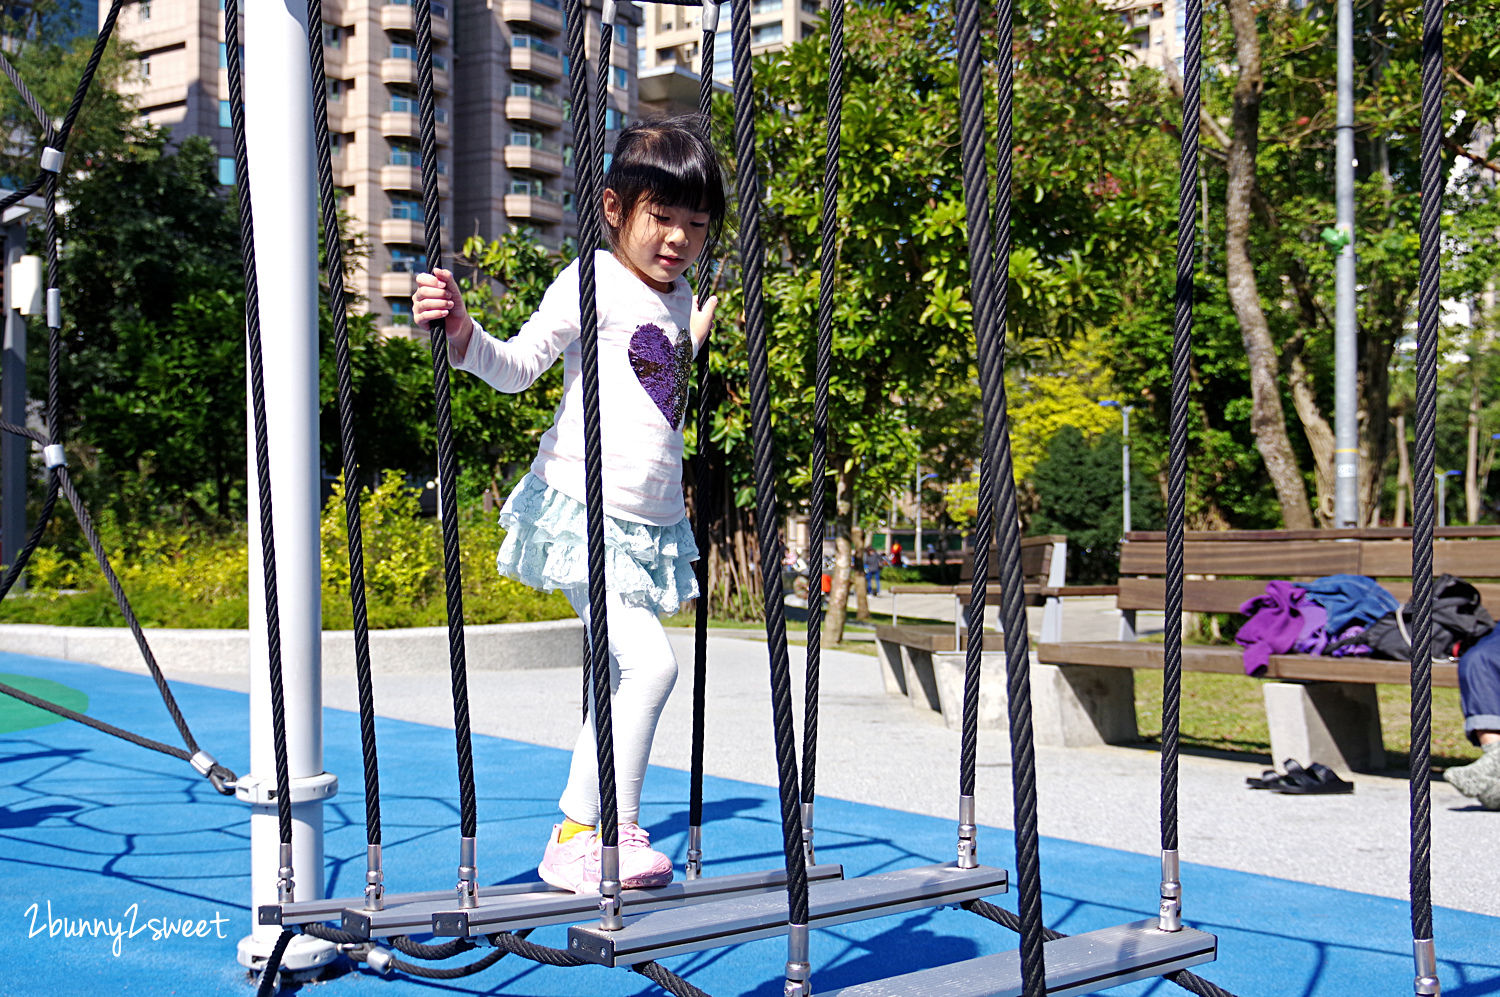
point(305, 956)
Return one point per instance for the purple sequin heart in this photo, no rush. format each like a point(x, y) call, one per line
point(662, 369)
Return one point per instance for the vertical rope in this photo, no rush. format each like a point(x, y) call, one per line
point(334, 249)
point(703, 486)
point(990, 299)
point(1423, 508)
point(827, 278)
point(447, 459)
point(587, 201)
point(1182, 345)
point(752, 258)
point(258, 411)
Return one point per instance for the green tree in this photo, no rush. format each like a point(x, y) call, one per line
point(1078, 494)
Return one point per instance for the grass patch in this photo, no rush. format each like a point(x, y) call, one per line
point(1227, 713)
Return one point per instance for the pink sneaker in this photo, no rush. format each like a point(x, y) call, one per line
point(640, 864)
point(572, 864)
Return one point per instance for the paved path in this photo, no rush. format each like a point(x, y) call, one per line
point(877, 749)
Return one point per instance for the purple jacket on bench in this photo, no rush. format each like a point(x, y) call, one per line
point(1282, 620)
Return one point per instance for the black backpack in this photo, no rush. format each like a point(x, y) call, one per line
point(1458, 620)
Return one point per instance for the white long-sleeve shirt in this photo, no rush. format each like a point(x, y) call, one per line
point(645, 368)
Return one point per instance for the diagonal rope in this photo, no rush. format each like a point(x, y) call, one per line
point(752, 259)
point(334, 248)
point(262, 439)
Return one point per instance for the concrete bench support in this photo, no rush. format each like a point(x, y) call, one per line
point(1336, 723)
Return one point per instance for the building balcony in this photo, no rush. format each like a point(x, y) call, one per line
point(536, 158)
point(402, 17)
point(404, 72)
point(393, 177)
point(403, 124)
point(544, 62)
point(397, 285)
point(402, 232)
point(544, 14)
point(547, 113)
point(541, 208)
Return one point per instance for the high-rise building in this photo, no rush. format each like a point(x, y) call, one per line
point(504, 131)
point(673, 35)
point(1158, 30)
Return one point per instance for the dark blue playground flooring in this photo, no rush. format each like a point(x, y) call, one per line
point(99, 829)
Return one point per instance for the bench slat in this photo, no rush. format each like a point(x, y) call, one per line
point(1227, 595)
point(1469, 559)
point(1078, 964)
point(1230, 661)
point(1282, 559)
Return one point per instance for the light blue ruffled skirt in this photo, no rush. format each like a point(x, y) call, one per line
point(546, 547)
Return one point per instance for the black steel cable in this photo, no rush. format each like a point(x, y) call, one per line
point(1182, 350)
point(401, 943)
point(36, 436)
point(258, 411)
point(334, 252)
point(447, 459)
point(827, 277)
point(1429, 279)
point(37, 110)
point(589, 181)
point(544, 954)
point(1006, 919)
point(33, 540)
point(270, 973)
point(448, 972)
point(667, 980)
point(989, 298)
point(703, 490)
point(752, 258)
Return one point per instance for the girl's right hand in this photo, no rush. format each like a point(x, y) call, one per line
point(437, 297)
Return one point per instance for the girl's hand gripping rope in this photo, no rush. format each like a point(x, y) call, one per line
point(437, 297)
point(702, 320)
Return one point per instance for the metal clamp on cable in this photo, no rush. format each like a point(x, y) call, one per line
point(710, 17)
point(807, 834)
point(694, 865)
point(798, 962)
point(54, 308)
point(53, 456)
point(374, 879)
point(285, 885)
point(1171, 892)
point(468, 888)
point(609, 13)
point(968, 845)
point(202, 761)
point(1427, 979)
point(609, 888)
point(52, 159)
point(379, 959)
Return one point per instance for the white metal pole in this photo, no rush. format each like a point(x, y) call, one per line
point(278, 126)
point(1345, 346)
point(916, 545)
point(1125, 411)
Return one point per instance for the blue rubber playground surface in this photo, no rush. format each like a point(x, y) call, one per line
point(96, 830)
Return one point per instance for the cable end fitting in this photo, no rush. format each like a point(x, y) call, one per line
point(53, 456)
point(1426, 984)
point(610, 12)
point(54, 308)
point(1171, 891)
point(379, 959)
point(52, 159)
point(710, 16)
point(968, 834)
point(807, 834)
point(202, 761)
point(694, 865)
point(374, 879)
point(798, 962)
point(286, 887)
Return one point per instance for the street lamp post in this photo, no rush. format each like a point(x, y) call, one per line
point(1125, 411)
point(1442, 509)
point(916, 553)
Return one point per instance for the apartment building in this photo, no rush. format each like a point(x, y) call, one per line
point(672, 36)
point(504, 131)
point(1158, 30)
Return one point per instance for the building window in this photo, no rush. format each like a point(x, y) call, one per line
point(622, 35)
point(146, 68)
point(568, 200)
point(407, 209)
point(225, 119)
point(811, 7)
point(223, 55)
point(766, 34)
point(527, 139)
point(407, 261)
point(226, 171)
point(613, 119)
point(400, 312)
point(765, 6)
point(333, 36)
point(144, 11)
point(622, 78)
point(568, 154)
point(337, 89)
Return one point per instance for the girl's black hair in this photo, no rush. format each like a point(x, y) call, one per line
point(670, 162)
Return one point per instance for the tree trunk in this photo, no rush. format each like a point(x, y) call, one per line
point(1267, 419)
point(838, 597)
point(1319, 433)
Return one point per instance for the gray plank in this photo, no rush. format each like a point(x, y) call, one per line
point(729, 922)
point(1079, 964)
point(328, 908)
point(533, 910)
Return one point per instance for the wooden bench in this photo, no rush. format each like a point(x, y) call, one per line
point(925, 663)
point(1319, 708)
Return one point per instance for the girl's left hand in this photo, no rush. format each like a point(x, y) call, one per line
point(702, 320)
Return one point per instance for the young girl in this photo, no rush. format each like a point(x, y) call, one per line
point(663, 199)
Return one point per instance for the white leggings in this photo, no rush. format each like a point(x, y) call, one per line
point(642, 670)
